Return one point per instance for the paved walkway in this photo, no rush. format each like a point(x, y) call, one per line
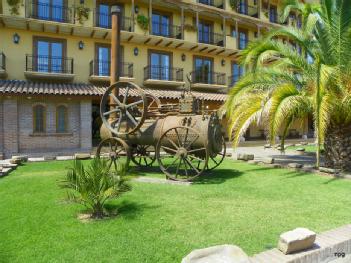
point(290, 156)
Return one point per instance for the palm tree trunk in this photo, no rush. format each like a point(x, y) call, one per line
point(318, 104)
point(337, 146)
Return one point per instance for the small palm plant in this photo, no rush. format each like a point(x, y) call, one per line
point(94, 185)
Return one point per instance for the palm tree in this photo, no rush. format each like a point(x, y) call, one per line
point(94, 185)
point(283, 86)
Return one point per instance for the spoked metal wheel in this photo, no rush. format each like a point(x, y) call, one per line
point(123, 114)
point(115, 151)
point(182, 154)
point(216, 160)
point(143, 155)
point(153, 103)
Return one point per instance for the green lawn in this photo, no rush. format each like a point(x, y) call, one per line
point(237, 204)
point(308, 148)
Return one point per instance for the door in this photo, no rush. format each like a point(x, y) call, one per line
point(103, 15)
point(237, 72)
point(203, 70)
point(160, 66)
point(243, 38)
point(243, 7)
point(103, 55)
point(53, 10)
point(49, 56)
point(161, 25)
point(205, 32)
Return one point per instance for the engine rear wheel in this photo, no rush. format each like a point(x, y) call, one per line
point(143, 155)
point(216, 160)
point(182, 154)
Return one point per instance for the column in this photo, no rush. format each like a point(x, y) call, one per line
point(150, 16)
point(182, 21)
point(85, 125)
point(10, 126)
point(133, 16)
point(224, 32)
point(197, 24)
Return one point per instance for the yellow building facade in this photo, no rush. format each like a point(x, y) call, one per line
point(58, 50)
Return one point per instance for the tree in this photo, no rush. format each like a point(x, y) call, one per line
point(294, 72)
point(95, 185)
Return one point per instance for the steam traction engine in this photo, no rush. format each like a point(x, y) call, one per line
point(181, 137)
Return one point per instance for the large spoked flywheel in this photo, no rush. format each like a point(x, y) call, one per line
point(182, 154)
point(125, 113)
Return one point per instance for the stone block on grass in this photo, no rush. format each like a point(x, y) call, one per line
point(245, 157)
point(268, 160)
point(82, 156)
point(295, 165)
point(296, 240)
point(329, 170)
point(217, 254)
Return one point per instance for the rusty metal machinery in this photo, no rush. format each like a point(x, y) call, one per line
point(184, 141)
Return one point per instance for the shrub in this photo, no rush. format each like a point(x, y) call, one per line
point(14, 4)
point(82, 14)
point(95, 185)
point(143, 22)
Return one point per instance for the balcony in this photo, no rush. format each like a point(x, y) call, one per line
point(209, 80)
point(99, 71)
point(248, 10)
point(232, 80)
point(166, 30)
point(43, 11)
point(49, 68)
point(3, 73)
point(163, 76)
point(210, 38)
point(214, 3)
point(104, 20)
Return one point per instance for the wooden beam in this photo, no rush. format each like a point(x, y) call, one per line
point(220, 52)
point(130, 38)
point(72, 31)
point(106, 34)
point(179, 45)
point(158, 42)
point(231, 54)
point(203, 49)
point(57, 29)
point(211, 50)
point(27, 25)
point(168, 44)
point(191, 49)
point(148, 40)
point(2, 22)
point(92, 33)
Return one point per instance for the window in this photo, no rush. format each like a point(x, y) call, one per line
point(161, 24)
point(237, 72)
point(39, 113)
point(243, 38)
point(53, 10)
point(205, 32)
point(49, 55)
point(203, 70)
point(160, 65)
point(61, 119)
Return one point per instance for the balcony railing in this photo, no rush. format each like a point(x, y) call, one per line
point(102, 68)
point(207, 77)
point(43, 11)
point(2, 61)
point(232, 80)
point(163, 73)
point(210, 38)
point(215, 3)
point(49, 64)
point(104, 20)
point(248, 10)
point(166, 30)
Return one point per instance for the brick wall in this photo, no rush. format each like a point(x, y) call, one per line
point(1, 128)
point(10, 126)
point(16, 117)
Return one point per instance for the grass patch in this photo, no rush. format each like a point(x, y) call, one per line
point(308, 148)
point(237, 203)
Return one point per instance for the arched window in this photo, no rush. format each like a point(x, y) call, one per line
point(61, 118)
point(39, 118)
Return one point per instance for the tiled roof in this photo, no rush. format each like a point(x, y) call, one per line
point(83, 89)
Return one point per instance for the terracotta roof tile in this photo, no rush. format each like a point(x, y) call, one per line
point(28, 87)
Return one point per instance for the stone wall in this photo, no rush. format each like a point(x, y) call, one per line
point(18, 126)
